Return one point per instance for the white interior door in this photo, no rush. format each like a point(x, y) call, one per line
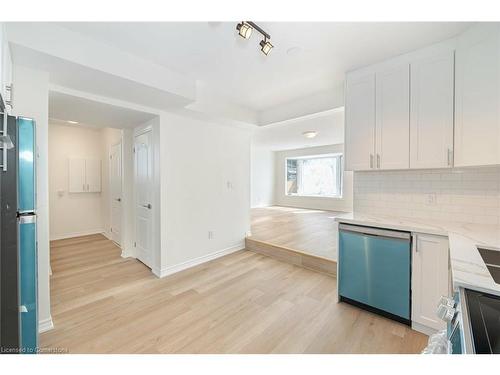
point(143, 174)
point(115, 189)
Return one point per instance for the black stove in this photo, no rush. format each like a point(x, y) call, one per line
point(484, 315)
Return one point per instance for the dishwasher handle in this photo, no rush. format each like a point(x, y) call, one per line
point(370, 231)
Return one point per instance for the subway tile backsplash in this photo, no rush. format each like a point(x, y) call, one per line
point(468, 195)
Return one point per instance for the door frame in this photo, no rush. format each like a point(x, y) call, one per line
point(155, 210)
point(120, 142)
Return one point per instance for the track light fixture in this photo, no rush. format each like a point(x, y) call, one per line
point(245, 29)
point(266, 46)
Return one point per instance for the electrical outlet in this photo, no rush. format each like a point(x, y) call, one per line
point(210, 235)
point(431, 199)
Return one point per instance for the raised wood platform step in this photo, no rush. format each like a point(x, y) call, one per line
point(292, 256)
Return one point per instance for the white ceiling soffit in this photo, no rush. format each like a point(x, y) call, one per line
point(64, 108)
point(308, 58)
point(80, 63)
point(288, 135)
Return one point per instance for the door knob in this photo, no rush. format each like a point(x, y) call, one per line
point(148, 206)
point(118, 199)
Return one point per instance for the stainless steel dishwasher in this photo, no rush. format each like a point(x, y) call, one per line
point(374, 270)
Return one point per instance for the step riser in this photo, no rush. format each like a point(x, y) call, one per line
point(318, 264)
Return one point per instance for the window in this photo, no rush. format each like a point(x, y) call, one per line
point(319, 175)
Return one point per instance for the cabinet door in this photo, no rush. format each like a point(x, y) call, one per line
point(392, 117)
point(360, 122)
point(477, 110)
point(76, 175)
point(431, 118)
point(430, 278)
point(93, 175)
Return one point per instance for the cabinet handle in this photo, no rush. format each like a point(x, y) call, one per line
point(450, 156)
point(371, 160)
point(378, 160)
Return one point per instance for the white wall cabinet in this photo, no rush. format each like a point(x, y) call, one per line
point(431, 115)
point(477, 97)
point(360, 115)
point(84, 175)
point(430, 279)
point(392, 117)
point(450, 92)
point(377, 118)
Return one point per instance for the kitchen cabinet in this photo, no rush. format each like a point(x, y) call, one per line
point(392, 111)
point(431, 110)
point(93, 175)
point(377, 118)
point(430, 279)
point(360, 117)
point(477, 96)
point(84, 175)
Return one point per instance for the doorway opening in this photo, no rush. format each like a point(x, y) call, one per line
point(97, 181)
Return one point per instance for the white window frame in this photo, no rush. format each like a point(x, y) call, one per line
point(340, 180)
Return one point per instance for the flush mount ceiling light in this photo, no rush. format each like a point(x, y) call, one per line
point(310, 134)
point(245, 29)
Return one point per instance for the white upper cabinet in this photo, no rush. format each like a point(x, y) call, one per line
point(93, 175)
point(76, 175)
point(477, 97)
point(431, 110)
point(360, 117)
point(392, 117)
point(84, 175)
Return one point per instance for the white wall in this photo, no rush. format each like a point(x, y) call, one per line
point(109, 138)
point(262, 175)
point(205, 186)
point(73, 214)
point(469, 195)
point(320, 203)
point(31, 100)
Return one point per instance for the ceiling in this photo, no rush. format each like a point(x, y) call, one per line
point(307, 58)
point(288, 135)
point(64, 107)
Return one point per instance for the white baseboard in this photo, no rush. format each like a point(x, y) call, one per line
point(422, 329)
point(77, 234)
point(197, 261)
point(45, 325)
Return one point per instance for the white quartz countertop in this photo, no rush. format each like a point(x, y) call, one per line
point(468, 268)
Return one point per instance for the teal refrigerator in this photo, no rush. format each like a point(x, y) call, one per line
point(18, 261)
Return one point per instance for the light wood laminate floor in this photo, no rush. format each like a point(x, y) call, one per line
point(241, 303)
point(309, 231)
